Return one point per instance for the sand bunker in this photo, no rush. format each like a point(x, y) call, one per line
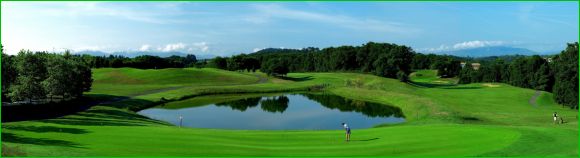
point(490, 85)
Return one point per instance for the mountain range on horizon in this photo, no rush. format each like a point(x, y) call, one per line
point(471, 52)
point(494, 51)
point(139, 53)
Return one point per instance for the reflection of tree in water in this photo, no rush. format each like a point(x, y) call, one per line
point(275, 104)
point(347, 105)
point(242, 104)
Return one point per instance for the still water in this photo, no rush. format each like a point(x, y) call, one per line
point(279, 112)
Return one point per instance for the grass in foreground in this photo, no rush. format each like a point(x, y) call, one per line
point(466, 120)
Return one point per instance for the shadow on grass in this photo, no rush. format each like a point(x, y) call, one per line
point(53, 110)
point(90, 122)
point(430, 85)
point(442, 86)
point(462, 88)
point(45, 129)
point(296, 79)
point(13, 138)
point(364, 140)
point(103, 116)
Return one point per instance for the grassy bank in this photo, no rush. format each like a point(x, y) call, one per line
point(442, 119)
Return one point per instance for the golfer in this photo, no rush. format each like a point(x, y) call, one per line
point(555, 117)
point(347, 129)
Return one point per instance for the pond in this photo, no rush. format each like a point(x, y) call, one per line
point(305, 111)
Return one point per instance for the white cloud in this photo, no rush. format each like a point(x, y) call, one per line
point(202, 46)
point(88, 48)
point(476, 44)
point(465, 45)
point(257, 49)
point(180, 47)
point(271, 11)
point(145, 47)
point(172, 47)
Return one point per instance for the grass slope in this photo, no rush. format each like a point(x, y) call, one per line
point(133, 82)
point(442, 120)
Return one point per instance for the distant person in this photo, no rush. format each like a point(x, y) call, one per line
point(347, 129)
point(555, 117)
point(180, 120)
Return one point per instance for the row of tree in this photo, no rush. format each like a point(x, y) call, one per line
point(382, 59)
point(41, 76)
point(559, 76)
point(141, 62)
point(447, 66)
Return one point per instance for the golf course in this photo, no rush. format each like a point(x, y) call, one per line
point(442, 118)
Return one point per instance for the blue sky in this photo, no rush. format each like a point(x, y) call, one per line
point(226, 28)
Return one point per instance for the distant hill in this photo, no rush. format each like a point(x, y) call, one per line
point(285, 50)
point(490, 51)
point(138, 53)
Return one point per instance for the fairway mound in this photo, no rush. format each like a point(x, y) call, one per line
point(490, 85)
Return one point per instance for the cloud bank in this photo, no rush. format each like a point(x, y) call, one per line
point(465, 45)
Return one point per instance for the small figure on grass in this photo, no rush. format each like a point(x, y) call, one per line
point(555, 117)
point(347, 130)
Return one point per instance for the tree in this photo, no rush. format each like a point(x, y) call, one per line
point(385, 67)
point(190, 60)
point(9, 74)
point(220, 63)
point(465, 74)
point(251, 64)
point(58, 81)
point(40, 74)
point(31, 72)
point(543, 78)
point(236, 63)
point(497, 70)
point(447, 67)
point(402, 76)
point(275, 67)
point(566, 76)
point(518, 73)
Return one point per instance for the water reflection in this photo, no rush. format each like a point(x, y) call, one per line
point(275, 104)
point(347, 105)
point(280, 104)
point(287, 111)
point(241, 104)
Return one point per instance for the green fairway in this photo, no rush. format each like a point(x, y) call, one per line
point(442, 119)
point(132, 82)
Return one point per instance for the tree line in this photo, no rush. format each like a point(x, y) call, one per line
point(382, 59)
point(558, 75)
point(41, 76)
point(140, 62)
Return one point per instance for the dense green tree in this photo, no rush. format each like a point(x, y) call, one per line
point(31, 72)
point(465, 74)
point(9, 74)
point(447, 67)
point(275, 67)
point(251, 64)
point(384, 67)
point(220, 63)
point(566, 76)
point(39, 75)
point(58, 81)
